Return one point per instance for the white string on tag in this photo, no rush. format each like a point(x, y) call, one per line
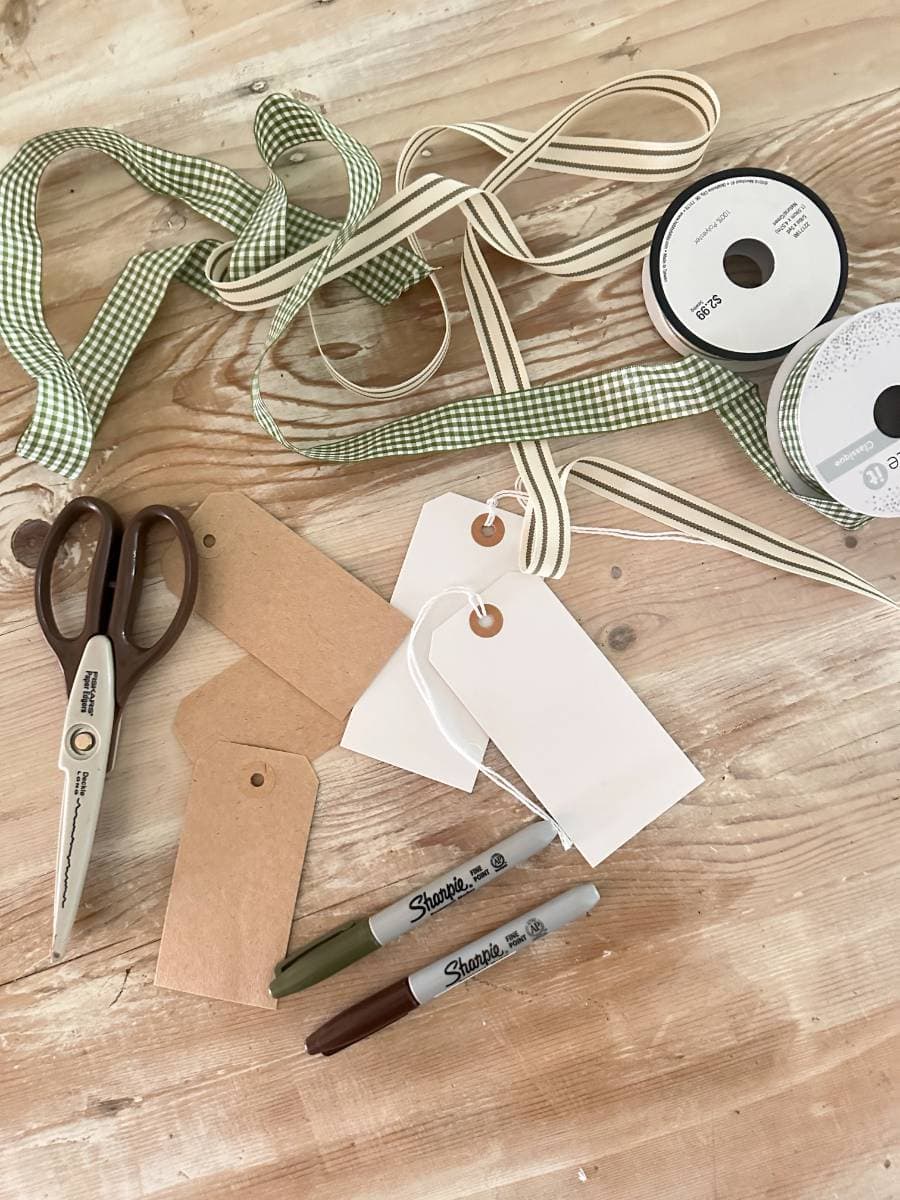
point(635, 535)
point(579, 738)
point(469, 753)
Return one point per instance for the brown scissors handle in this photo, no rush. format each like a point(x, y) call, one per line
point(100, 581)
point(132, 659)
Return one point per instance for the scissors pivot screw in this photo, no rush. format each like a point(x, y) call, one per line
point(82, 741)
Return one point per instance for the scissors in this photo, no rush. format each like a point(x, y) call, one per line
point(101, 664)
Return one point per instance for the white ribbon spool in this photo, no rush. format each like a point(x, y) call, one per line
point(743, 264)
point(833, 414)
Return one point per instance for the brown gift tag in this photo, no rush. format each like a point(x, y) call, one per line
point(286, 603)
point(250, 704)
point(236, 876)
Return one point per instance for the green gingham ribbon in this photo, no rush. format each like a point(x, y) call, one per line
point(72, 394)
point(281, 254)
point(789, 435)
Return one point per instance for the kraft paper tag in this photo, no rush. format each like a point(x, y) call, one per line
point(236, 876)
point(390, 722)
point(250, 704)
point(286, 603)
point(563, 717)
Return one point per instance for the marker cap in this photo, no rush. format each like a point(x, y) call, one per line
point(362, 1019)
point(320, 959)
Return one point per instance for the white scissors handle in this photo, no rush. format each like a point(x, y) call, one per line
point(83, 756)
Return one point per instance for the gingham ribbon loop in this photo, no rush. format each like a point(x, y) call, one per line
point(72, 394)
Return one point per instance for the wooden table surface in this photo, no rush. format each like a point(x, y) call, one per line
point(726, 1024)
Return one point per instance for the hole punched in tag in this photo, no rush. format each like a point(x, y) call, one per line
point(209, 545)
point(490, 624)
point(488, 534)
point(256, 778)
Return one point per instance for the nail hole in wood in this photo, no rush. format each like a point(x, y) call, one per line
point(26, 542)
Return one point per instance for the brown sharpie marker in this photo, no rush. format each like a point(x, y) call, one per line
point(395, 1001)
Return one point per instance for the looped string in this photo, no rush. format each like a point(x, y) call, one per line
point(465, 749)
point(518, 494)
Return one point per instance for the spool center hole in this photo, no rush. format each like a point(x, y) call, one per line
point(257, 779)
point(887, 411)
point(209, 540)
point(748, 263)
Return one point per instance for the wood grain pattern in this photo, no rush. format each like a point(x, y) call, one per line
point(725, 1026)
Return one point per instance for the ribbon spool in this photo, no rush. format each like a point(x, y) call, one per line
point(833, 413)
point(743, 264)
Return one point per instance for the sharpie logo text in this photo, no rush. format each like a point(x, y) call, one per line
point(458, 969)
point(424, 903)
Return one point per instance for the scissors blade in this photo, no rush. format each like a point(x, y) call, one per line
point(83, 755)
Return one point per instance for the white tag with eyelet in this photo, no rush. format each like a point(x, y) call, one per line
point(451, 544)
point(564, 718)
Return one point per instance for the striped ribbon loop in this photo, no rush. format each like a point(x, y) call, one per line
point(546, 543)
point(290, 281)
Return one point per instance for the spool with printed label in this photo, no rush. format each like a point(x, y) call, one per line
point(833, 414)
point(743, 264)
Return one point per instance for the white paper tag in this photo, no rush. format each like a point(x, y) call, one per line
point(389, 722)
point(564, 718)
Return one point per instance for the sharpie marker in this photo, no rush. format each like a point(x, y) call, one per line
point(333, 951)
point(406, 995)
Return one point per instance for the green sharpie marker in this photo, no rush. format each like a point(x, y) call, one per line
point(333, 951)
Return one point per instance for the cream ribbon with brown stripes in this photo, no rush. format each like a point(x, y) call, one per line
point(546, 544)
